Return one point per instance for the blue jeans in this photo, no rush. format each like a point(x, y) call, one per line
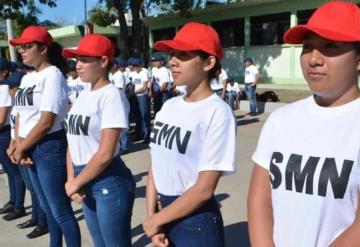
point(203, 228)
point(124, 139)
point(141, 108)
point(250, 94)
point(159, 99)
point(37, 214)
point(231, 98)
point(108, 205)
point(48, 176)
point(15, 181)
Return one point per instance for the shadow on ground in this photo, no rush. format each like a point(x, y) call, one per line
point(237, 235)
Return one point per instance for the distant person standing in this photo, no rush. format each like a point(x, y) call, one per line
point(160, 81)
point(218, 84)
point(251, 79)
point(76, 86)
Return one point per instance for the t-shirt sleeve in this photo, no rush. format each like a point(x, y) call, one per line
point(219, 151)
point(113, 112)
point(164, 77)
point(263, 151)
point(144, 76)
point(54, 93)
point(5, 98)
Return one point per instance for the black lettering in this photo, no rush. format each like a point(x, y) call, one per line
point(181, 145)
point(330, 173)
point(24, 96)
point(83, 126)
point(293, 170)
point(276, 178)
point(165, 133)
point(155, 131)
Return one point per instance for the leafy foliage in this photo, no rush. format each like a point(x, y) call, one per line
point(9, 8)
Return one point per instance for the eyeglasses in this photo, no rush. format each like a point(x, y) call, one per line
point(25, 47)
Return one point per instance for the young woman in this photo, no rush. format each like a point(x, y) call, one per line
point(93, 125)
point(41, 104)
point(192, 149)
point(304, 189)
point(38, 217)
point(15, 207)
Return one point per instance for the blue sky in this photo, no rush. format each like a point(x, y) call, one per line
point(66, 12)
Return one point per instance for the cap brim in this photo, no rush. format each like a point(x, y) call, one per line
point(167, 45)
point(20, 41)
point(72, 53)
point(296, 35)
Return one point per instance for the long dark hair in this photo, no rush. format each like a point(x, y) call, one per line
point(55, 57)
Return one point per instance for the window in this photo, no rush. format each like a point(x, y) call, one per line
point(231, 32)
point(269, 29)
point(165, 33)
point(304, 15)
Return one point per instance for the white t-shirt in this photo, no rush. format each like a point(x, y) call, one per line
point(76, 86)
point(181, 89)
point(45, 90)
point(159, 77)
point(250, 74)
point(234, 88)
point(93, 111)
point(312, 154)
point(118, 79)
point(217, 84)
point(188, 138)
point(138, 79)
point(5, 100)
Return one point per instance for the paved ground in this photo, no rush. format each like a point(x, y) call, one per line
point(231, 194)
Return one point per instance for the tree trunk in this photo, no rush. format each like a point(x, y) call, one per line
point(124, 32)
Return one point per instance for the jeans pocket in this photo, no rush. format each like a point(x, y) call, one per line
point(192, 223)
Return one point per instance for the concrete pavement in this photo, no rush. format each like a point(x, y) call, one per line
point(231, 194)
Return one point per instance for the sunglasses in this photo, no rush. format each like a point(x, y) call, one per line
point(25, 47)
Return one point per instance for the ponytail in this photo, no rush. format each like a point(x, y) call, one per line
point(55, 57)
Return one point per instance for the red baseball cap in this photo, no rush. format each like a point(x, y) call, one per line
point(33, 34)
point(194, 36)
point(337, 20)
point(91, 45)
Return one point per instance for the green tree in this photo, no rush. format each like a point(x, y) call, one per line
point(9, 8)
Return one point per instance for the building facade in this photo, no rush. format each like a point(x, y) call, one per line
point(249, 28)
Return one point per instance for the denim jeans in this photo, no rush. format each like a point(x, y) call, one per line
point(15, 181)
point(124, 139)
point(108, 205)
point(48, 176)
point(230, 98)
point(203, 228)
point(159, 99)
point(141, 108)
point(37, 214)
point(250, 94)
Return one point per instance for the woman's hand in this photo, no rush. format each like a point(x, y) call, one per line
point(78, 197)
point(160, 240)
point(150, 226)
point(71, 188)
point(18, 154)
point(27, 161)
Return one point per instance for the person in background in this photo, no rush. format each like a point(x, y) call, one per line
point(160, 81)
point(96, 175)
point(218, 84)
point(76, 86)
point(233, 93)
point(140, 102)
point(252, 78)
point(305, 185)
point(185, 169)
point(14, 208)
point(41, 103)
